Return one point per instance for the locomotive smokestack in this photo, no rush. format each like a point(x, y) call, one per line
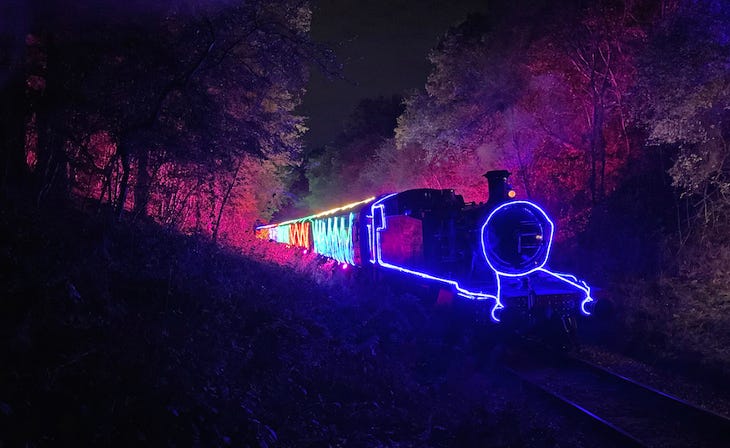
point(499, 189)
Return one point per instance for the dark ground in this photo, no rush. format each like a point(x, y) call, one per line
point(122, 335)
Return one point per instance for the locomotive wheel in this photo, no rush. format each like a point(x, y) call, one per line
point(559, 332)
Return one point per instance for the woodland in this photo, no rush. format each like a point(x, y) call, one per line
point(140, 145)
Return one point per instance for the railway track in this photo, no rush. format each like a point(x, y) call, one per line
point(626, 411)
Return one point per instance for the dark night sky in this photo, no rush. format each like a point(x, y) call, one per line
point(383, 45)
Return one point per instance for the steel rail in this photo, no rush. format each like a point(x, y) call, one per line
point(621, 437)
point(637, 413)
point(708, 414)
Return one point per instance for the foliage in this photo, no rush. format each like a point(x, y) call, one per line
point(511, 89)
point(681, 101)
point(341, 163)
point(121, 336)
point(684, 94)
point(175, 112)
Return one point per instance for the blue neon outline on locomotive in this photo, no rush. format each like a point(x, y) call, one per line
point(470, 294)
point(461, 291)
point(549, 246)
point(583, 286)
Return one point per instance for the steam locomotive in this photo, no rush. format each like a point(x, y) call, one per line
point(496, 252)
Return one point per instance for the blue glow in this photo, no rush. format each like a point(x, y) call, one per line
point(378, 210)
point(282, 234)
point(371, 252)
point(374, 233)
point(573, 281)
point(542, 262)
point(474, 295)
point(333, 237)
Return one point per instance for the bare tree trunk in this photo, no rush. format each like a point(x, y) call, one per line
point(216, 228)
point(142, 184)
point(50, 174)
point(51, 179)
point(124, 182)
point(14, 172)
point(598, 151)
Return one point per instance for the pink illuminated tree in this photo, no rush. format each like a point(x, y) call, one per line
point(171, 111)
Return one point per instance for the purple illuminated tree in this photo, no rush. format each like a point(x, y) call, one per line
point(476, 77)
point(540, 91)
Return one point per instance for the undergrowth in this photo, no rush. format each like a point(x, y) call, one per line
point(679, 317)
point(122, 335)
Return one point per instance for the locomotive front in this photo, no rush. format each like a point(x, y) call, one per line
point(516, 236)
point(515, 241)
point(496, 252)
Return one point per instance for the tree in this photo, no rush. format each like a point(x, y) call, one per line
point(600, 54)
point(540, 91)
point(682, 100)
point(195, 91)
point(476, 78)
point(339, 166)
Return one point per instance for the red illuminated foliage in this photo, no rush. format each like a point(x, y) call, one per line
point(541, 93)
point(185, 115)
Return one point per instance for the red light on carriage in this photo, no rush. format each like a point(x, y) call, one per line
point(511, 194)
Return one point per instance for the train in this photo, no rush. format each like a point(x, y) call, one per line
point(495, 252)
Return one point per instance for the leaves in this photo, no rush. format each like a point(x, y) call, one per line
point(183, 114)
point(684, 89)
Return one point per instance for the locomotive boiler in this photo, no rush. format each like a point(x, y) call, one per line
point(496, 252)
